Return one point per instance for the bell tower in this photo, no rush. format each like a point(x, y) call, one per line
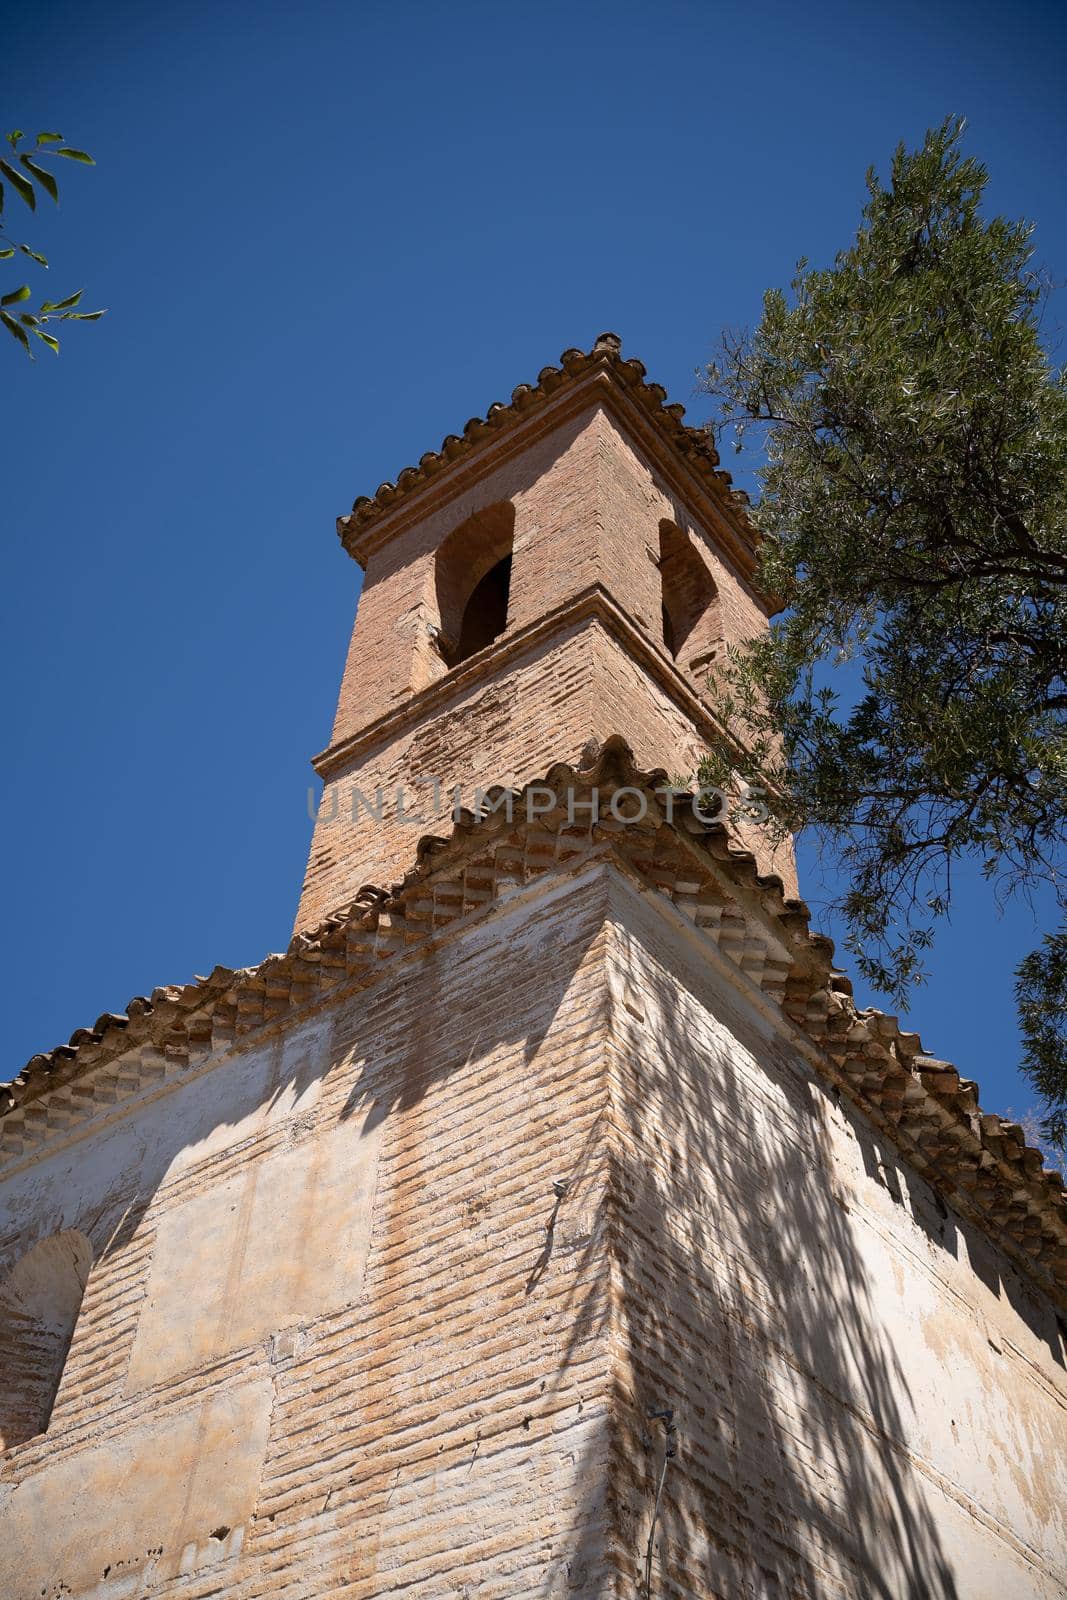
point(546, 1222)
point(565, 568)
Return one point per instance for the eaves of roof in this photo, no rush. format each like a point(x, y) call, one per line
point(980, 1163)
point(692, 447)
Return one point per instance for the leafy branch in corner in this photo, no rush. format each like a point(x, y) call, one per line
point(25, 173)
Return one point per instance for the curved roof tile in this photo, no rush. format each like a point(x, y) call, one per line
point(921, 1103)
point(694, 444)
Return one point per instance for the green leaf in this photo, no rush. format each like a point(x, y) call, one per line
point(75, 155)
point(25, 189)
point(44, 178)
point(83, 316)
point(13, 328)
point(49, 138)
point(48, 339)
point(21, 293)
point(31, 253)
point(62, 305)
point(13, 138)
point(5, 255)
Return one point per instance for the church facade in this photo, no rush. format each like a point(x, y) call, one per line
point(546, 1220)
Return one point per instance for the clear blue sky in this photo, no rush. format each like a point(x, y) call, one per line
point(328, 235)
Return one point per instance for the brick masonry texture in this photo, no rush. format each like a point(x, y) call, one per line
point(588, 505)
point(869, 1402)
point(868, 1396)
point(398, 1250)
point(406, 1429)
point(580, 684)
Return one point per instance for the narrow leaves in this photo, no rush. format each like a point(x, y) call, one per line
point(13, 328)
point(62, 305)
point(44, 177)
point(26, 177)
point(21, 184)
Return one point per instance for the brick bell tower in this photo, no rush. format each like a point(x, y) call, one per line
point(545, 1221)
point(563, 570)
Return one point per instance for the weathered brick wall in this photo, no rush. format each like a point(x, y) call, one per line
point(383, 1299)
point(554, 488)
point(869, 1399)
point(633, 500)
point(588, 505)
point(340, 1339)
point(30, 1355)
point(324, 1349)
point(506, 726)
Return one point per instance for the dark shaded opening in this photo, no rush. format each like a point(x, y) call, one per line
point(690, 613)
point(472, 573)
point(485, 615)
point(39, 1303)
point(668, 631)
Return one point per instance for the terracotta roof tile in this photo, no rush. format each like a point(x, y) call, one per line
point(980, 1162)
point(693, 443)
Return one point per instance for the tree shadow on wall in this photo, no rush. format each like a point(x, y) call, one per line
point(475, 1398)
point(455, 1372)
point(749, 1311)
point(485, 1072)
point(747, 1307)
